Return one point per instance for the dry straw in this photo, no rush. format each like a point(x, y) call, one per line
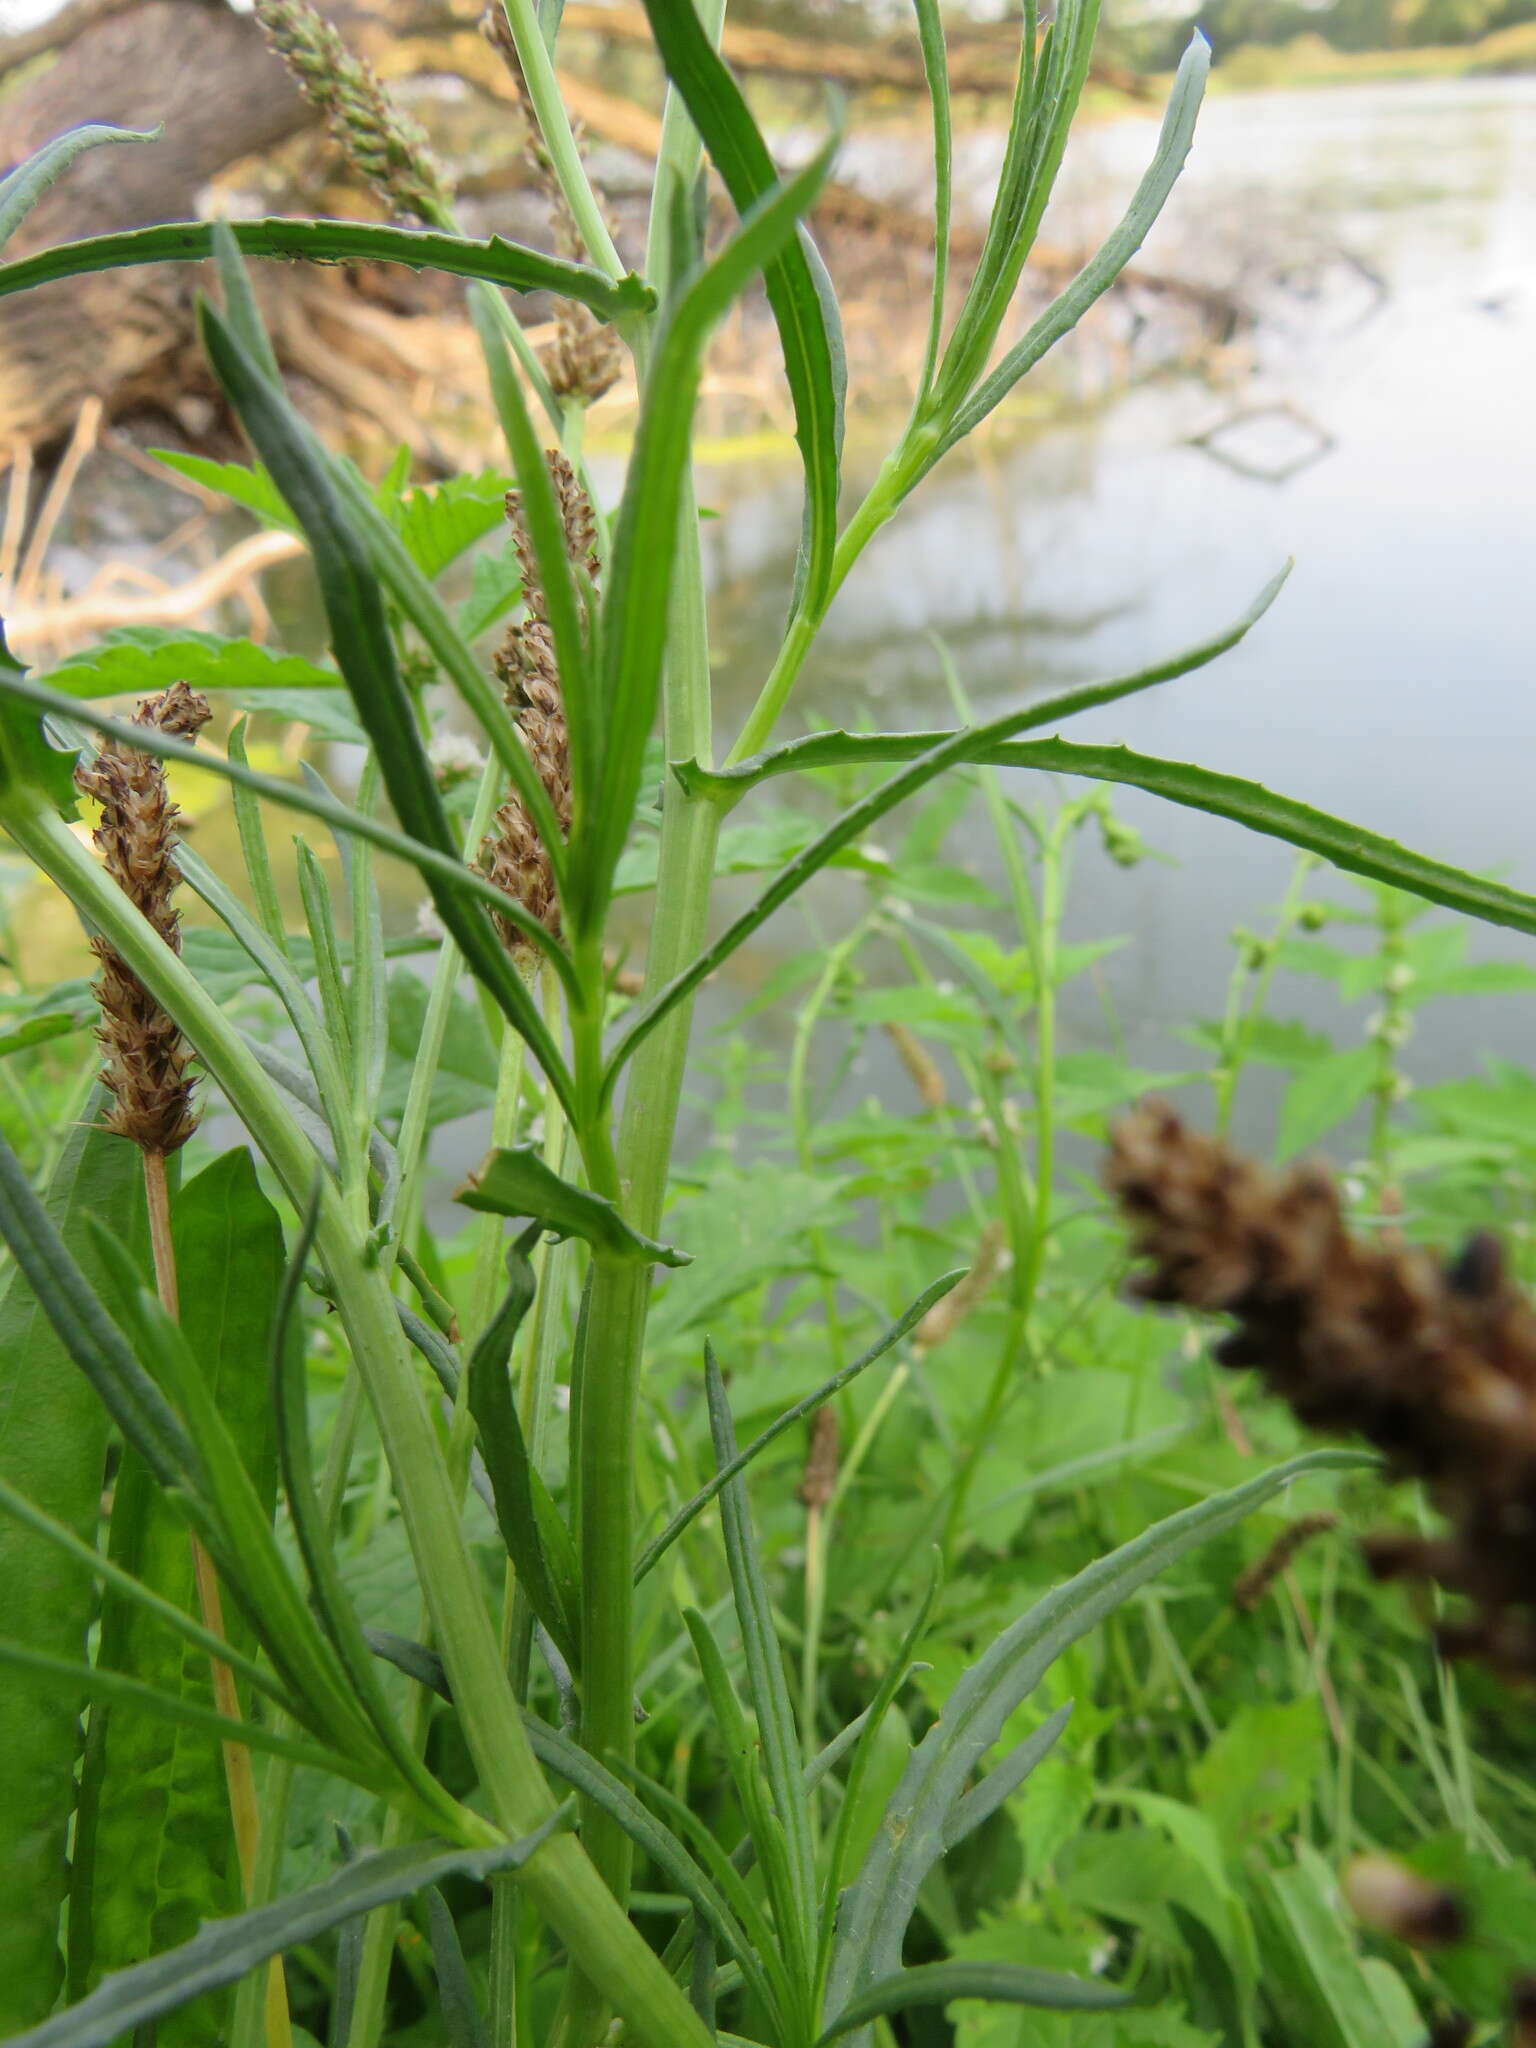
point(1433, 1363)
point(148, 1062)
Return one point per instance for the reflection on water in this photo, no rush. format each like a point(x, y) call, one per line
point(1393, 681)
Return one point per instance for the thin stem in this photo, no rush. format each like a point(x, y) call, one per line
point(555, 127)
point(239, 1779)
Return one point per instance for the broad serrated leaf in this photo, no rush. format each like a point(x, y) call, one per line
point(136, 660)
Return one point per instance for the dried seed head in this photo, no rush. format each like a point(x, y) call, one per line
point(816, 1487)
point(585, 358)
point(946, 1315)
point(384, 145)
point(1395, 1900)
point(513, 856)
point(1257, 1580)
point(147, 1059)
point(921, 1066)
point(1435, 1366)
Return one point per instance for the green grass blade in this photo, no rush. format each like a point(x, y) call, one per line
point(22, 189)
point(1095, 278)
point(365, 654)
point(449, 871)
point(331, 241)
point(335, 1010)
point(240, 308)
point(970, 744)
point(880, 1902)
point(567, 1761)
point(463, 2026)
point(1000, 1983)
point(221, 1953)
point(53, 1442)
point(905, 1323)
point(766, 1682)
point(930, 32)
point(329, 1596)
point(514, 1480)
point(806, 315)
point(639, 580)
point(253, 845)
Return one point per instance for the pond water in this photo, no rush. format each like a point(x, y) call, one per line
point(1393, 681)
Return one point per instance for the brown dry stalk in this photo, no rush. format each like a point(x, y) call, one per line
point(513, 856)
point(148, 1061)
point(1433, 1362)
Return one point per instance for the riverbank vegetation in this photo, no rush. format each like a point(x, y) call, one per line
point(787, 1589)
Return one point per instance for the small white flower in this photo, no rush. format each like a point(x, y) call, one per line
point(454, 753)
point(428, 923)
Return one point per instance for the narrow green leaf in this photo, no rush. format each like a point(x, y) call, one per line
point(432, 864)
point(514, 1181)
point(930, 31)
point(21, 191)
point(514, 1479)
point(904, 1324)
point(1095, 278)
point(570, 1763)
point(971, 743)
point(635, 605)
point(253, 847)
point(340, 241)
point(1000, 1983)
point(463, 2026)
point(766, 1682)
point(331, 1601)
point(53, 1440)
point(803, 308)
point(240, 308)
point(223, 1952)
point(880, 1903)
point(364, 651)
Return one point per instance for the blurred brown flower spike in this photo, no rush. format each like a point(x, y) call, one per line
point(147, 1060)
point(1434, 1365)
point(1395, 1900)
point(514, 857)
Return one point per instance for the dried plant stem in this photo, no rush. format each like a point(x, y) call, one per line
point(239, 1778)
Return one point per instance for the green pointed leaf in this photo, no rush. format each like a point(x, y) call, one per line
point(241, 483)
point(340, 241)
point(25, 755)
point(1001, 1983)
point(21, 191)
point(810, 333)
point(223, 1952)
point(514, 1181)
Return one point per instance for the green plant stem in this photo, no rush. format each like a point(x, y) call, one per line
point(555, 127)
point(567, 1890)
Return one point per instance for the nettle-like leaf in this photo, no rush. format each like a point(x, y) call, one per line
point(138, 660)
point(242, 483)
point(439, 521)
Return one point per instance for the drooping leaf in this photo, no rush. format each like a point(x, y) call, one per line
point(514, 1181)
point(224, 1951)
point(1001, 1983)
point(22, 189)
point(136, 660)
point(339, 241)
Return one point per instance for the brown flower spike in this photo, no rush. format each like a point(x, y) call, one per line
point(147, 1059)
point(1432, 1363)
point(514, 857)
